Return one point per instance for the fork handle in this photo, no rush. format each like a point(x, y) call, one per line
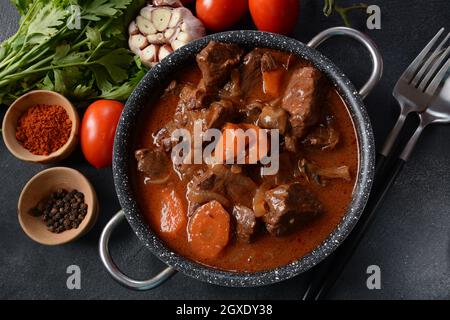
point(394, 133)
point(406, 153)
point(384, 155)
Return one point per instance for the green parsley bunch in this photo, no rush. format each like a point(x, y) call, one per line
point(85, 59)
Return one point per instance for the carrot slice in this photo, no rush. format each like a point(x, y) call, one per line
point(257, 148)
point(225, 149)
point(272, 81)
point(209, 230)
point(232, 150)
point(172, 214)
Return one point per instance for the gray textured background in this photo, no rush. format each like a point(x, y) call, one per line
point(409, 240)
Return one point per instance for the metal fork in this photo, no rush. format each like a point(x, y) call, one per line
point(416, 92)
point(411, 90)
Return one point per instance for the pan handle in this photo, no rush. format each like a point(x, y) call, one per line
point(377, 61)
point(114, 271)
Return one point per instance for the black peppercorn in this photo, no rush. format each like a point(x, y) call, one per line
point(62, 210)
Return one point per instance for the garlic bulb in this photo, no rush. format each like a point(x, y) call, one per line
point(161, 28)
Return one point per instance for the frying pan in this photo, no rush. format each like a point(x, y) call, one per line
point(150, 88)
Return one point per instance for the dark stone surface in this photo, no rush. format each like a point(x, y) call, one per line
point(410, 239)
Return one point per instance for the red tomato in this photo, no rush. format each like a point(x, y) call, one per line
point(218, 15)
point(97, 131)
point(278, 16)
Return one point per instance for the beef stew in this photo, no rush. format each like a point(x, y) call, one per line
point(244, 221)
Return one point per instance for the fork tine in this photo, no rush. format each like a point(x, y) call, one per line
point(434, 67)
point(427, 63)
point(438, 78)
point(411, 70)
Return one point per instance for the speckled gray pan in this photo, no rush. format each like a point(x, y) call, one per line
point(150, 88)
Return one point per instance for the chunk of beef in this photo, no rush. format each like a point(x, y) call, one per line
point(162, 139)
point(245, 222)
point(204, 187)
point(154, 164)
point(250, 113)
point(289, 205)
point(192, 97)
point(253, 65)
point(274, 59)
point(216, 61)
point(239, 188)
point(251, 75)
point(291, 143)
point(220, 184)
point(218, 113)
point(268, 63)
point(274, 72)
point(207, 181)
point(214, 116)
point(324, 136)
point(286, 172)
point(301, 99)
point(273, 118)
point(236, 186)
point(185, 118)
point(232, 89)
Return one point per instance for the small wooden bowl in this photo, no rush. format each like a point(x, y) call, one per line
point(40, 187)
point(19, 106)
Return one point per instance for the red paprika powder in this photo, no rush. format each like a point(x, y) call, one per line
point(43, 129)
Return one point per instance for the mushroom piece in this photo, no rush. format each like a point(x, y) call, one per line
point(162, 28)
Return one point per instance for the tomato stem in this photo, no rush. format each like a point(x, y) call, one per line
point(330, 6)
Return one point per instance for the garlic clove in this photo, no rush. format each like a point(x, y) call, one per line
point(176, 44)
point(132, 28)
point(176, 18)
point(138, 41)
point(146, 12)
point(145, 26)
point(169, 33)
point(184, 37)
point(164, 51)
point(149, 55)
point(169, 3)
point(161, 18)
point(184, 27)
point(157, 38)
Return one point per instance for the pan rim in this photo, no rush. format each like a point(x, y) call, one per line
point(161, 74)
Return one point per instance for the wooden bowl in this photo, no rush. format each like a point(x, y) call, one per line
point(19, 106)
point(40, 187)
